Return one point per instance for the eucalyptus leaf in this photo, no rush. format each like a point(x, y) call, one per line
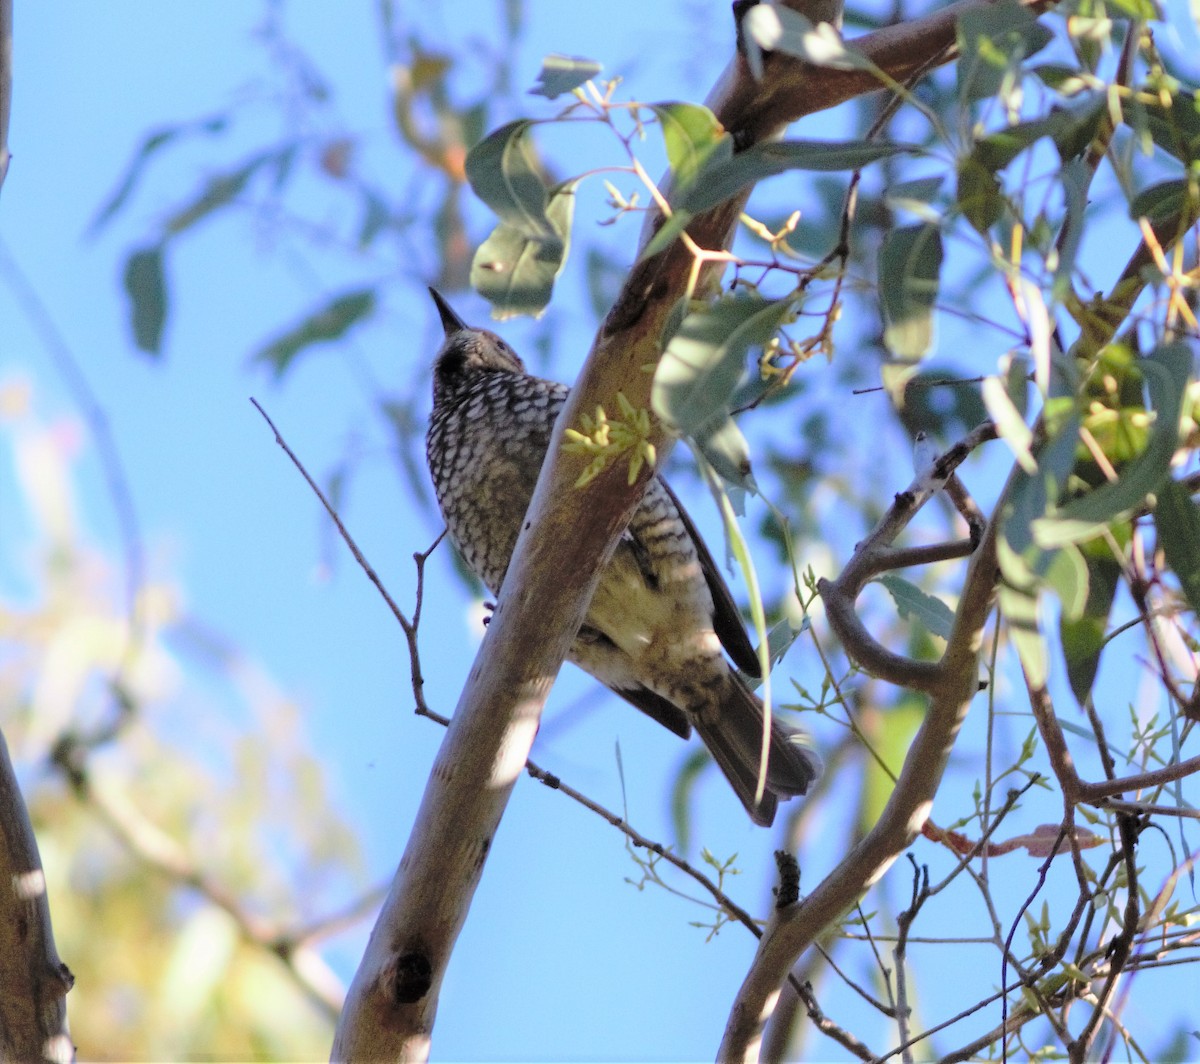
point(561, 74)
point(504, 171)
point(146, 285)
point(706, 357)
point(693, 137)
point(152, 144)
point(917, 605)
point(1083, 637)
point(516, 270)
point(910, 263)
point(1177, 519)
point(329, 322)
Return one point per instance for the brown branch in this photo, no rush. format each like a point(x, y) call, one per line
point(906, 811)
point(1076, 790)
point(33, 979)
point(875, 554)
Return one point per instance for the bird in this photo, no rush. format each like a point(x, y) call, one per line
point(661, 614)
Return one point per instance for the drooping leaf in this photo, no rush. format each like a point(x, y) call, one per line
point(916, 196)
point(1173, 126)
point(1075, 178)
point(1161, 202)
point(917, 605)
point(222, 189)
point(705, 359)
point(1022, 562)
point(1066, 575)
point(1071, 129)
point(516, 270)
point(146, 285)
point(726, 176)
point(1083, 637)
point(978, 194)
point(1177, 519)
point(505, 173)
point(727, 451)
point(561, 74)
point(153, 143)
point(779, 641)
point(891, 735)
point(329, 322)
point(682, 790)
point(910, 263)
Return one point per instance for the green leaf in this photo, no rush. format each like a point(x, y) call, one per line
point(1178, 521)
point(916, 605)
point(1022, 562)
point(993, 41)
point(146, 285)
point(505, 173)
point(1072, 129)
point(330, 322)
point(916, 196)
point(727, 451)
point(1083, 637)
point(224, 188)
point(1175, 128)
point(779, 641)
point(910, 262)
point(894, 733)
point(1161, 202)
point(1167, 372)
point(681, 794)
point(706, 357)
point(561, 74)
point(1066, 575)
point(693, 136)
point(978, 194)
point(152, 144)
point(1020, 609)
point(515, 270)
point(1075, 178)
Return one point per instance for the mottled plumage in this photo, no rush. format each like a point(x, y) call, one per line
point(661, 613)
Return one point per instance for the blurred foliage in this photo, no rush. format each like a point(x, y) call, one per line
point(186, 835)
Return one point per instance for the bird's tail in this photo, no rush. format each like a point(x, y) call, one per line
point(735, 742)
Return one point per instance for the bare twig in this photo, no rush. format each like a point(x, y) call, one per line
point(163, 853)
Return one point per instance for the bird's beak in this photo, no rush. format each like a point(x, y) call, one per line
point(451, 322)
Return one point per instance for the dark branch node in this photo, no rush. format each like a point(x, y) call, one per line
point(788, 891)
point(411, 978)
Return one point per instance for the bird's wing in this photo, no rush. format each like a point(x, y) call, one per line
point(727, 618)
point(598, 655)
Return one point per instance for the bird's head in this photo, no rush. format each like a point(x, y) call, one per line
point(467, 351)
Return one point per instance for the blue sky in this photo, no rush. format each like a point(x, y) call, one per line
point(561, 957)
